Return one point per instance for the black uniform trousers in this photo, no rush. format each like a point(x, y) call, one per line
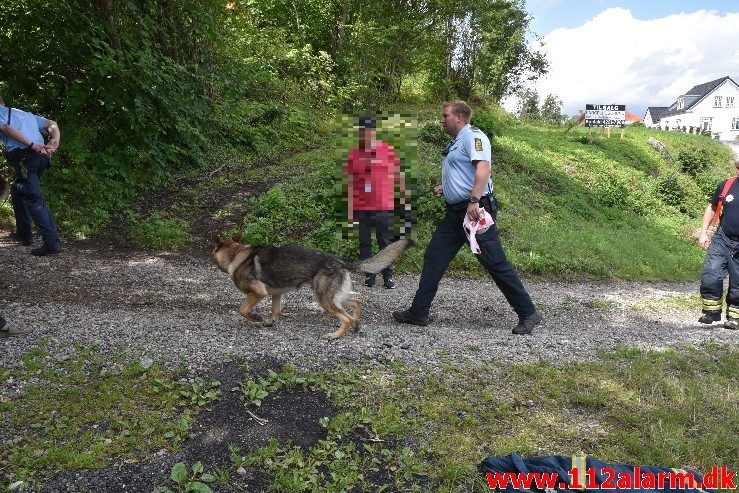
point(25, 193)
point(382, 223)
point(446, 241)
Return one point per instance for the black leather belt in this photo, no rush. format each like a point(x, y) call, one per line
point(484, 200)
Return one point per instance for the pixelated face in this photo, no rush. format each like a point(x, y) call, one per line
point(451, 121)
point(367, 137)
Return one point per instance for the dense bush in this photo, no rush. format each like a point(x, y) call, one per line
point(433, 133)
point(693, 160)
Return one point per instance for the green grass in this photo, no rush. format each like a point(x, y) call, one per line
point(571, 205)
point(428, 431)
point(682, 302)
point(84, 410)
point(157, 231)
point(398, 427)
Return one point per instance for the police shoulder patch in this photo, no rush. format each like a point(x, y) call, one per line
point(478, 144)
point(472, 127)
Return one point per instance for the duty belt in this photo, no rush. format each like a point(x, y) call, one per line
point(459, 206)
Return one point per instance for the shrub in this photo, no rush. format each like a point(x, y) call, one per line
point(693, 160)
point(433, 133)
point(158, 232)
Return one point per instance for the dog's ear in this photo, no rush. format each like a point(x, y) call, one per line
point(237, 236)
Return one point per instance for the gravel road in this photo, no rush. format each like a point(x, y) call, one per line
point(180, 307)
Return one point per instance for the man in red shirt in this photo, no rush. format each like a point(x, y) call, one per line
point(373, 169)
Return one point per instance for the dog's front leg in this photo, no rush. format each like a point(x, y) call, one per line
point(249, 303)
point(276, 309)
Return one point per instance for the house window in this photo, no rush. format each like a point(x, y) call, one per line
point(706, 122)
point(717, 101)
point(680, 103)
point(729, 101)
point(735, 123)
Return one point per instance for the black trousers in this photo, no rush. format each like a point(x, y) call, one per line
point(448, 238)
point(381, 222)
point(721, 260)
point(25, 194)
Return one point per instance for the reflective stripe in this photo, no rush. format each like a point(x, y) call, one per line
point(712, 305)
point(732, 311)
point(579, 462)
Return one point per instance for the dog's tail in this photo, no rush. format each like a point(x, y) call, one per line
point(382, 259)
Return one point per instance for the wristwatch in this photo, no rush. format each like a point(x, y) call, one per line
point(474, 200)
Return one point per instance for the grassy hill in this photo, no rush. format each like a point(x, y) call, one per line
point(571, 205)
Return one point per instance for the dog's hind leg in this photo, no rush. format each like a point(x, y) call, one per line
point(249, 303)
point(276, 309)
point(345, 319)
point(356, 304)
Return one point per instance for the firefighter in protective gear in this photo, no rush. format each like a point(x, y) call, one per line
point(723, 254)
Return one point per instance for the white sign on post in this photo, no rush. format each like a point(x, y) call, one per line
point(605, 115)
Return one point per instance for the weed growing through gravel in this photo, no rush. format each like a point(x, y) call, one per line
point(83, 410)
point(682, 302)
point(188, 481)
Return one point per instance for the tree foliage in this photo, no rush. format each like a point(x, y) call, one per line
point(551, 109)
point(145, 87)
point(528, 105)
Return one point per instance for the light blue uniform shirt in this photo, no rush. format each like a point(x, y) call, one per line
point(26, 123)
point(457, 171)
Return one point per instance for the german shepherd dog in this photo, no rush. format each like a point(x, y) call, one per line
point(259, 271)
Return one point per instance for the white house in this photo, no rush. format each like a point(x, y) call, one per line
point(711, 106)
point(653, 115)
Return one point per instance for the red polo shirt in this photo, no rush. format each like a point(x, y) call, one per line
point(373, 172)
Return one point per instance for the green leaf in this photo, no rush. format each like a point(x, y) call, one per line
point(198, 487)
point(179, 473)
point(208, 478)
point(197, 468)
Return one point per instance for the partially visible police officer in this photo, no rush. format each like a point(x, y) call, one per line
point(28, 155)
point(466, 186)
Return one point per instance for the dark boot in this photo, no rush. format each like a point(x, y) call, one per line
point(710, 317)
point(369, 280)
point(526, 325)
point(406, 317)
point(45, 250)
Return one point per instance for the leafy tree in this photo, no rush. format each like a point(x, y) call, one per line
point(528, 105)
point(483, 48)
point(551, 109)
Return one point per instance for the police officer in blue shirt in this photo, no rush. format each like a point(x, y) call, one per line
point(28, 155)
point(466, 186)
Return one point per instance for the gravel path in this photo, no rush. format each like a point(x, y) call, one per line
point(174, 307)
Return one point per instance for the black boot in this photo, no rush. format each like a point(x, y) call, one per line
point(710, 317)
point(369, 280)
point(406, 317)
point(45, 250)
